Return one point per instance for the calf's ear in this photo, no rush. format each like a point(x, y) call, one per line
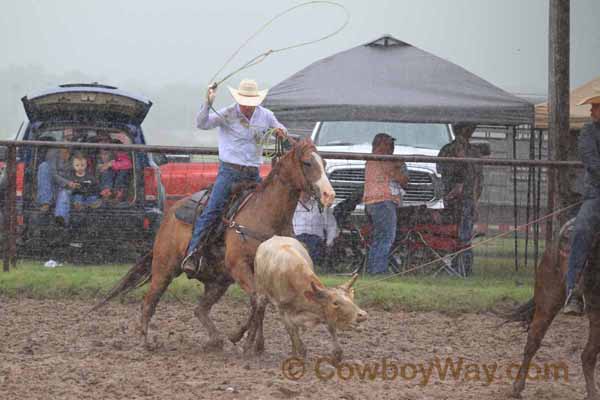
point(315, 294)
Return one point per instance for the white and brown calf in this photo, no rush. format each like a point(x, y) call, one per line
point(284, 275)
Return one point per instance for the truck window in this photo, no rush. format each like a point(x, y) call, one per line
point(348, 133)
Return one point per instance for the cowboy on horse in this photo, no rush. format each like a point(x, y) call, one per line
point(241, 128)
point(587, 222)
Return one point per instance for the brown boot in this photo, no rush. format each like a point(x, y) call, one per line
point(190, 264)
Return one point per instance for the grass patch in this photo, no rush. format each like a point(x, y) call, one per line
point(493, 283)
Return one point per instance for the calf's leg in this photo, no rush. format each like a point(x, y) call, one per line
point(298, 348)
point(337, 349)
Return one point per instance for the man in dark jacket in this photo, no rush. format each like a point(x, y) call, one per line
point(587, 223)
point(462, 185)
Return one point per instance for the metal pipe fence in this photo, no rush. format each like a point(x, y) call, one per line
point(494, 211)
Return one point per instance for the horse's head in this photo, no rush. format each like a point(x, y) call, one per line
point(306, 171)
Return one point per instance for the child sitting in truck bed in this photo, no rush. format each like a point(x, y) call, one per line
point(80, 188)
point(114, 171)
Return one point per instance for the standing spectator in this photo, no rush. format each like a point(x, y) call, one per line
point(462, 185)
point(384, 183)
point(312, 226)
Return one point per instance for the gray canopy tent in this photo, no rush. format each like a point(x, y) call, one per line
point(389, 80)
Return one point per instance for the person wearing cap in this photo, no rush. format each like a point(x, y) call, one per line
point(587, 222)
point(384, 183)
point(241, 127)
point(462, 185)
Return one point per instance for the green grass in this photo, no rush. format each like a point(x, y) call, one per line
point(493, 284)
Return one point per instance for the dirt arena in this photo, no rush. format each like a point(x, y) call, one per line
point(56, 350)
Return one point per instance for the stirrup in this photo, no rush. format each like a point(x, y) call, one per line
point(574, 305)
point(190, 264)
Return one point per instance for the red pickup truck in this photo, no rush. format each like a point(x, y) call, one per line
point(181, 178)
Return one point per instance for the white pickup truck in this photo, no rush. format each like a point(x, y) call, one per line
point(347, 176)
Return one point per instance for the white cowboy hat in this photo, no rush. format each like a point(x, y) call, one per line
point(590, 100)
point(247, 94)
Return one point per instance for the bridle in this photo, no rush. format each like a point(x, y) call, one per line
point(308, 187)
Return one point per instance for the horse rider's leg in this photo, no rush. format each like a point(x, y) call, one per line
point(213, 291)
point(163, 273)
point(549, 297)
point(590, 354)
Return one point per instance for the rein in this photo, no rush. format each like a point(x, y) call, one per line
point(246, 232)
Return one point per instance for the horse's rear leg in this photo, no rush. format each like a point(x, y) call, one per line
point(590, 354)
point(542, 318)
point(213, 292)
point(158, 285)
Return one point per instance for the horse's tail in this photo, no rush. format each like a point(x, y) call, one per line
point(523, 314)
point(137, 276)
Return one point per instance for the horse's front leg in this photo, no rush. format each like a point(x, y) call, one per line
point(213, 291)
point(590, 355)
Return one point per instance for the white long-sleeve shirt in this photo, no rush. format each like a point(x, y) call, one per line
point(238, 136)
point(310, 221)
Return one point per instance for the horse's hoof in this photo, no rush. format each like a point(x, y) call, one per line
point(214, 345)
point(337, 356)
point(515, 393)
point(259, 348)
point(236, 337)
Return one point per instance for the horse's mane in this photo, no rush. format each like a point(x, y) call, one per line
point(299, 148)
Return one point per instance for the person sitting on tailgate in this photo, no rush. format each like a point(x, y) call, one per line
point(114, 171)
point(80, 188)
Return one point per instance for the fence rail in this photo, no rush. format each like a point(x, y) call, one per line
point(10, 222)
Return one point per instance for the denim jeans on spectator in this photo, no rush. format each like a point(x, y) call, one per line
point(587, 226)
point(384, 217)
point(45, 186)
point(314, 245)
point(110, 179)
point(64, 199)
point(226, 178)
point(465, 233)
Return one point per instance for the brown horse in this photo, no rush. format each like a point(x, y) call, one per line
point(268, 212)
point(548, 299)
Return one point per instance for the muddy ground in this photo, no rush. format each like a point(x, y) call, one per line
point(57, 350)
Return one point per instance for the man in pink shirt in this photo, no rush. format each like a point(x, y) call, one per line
point(384, 185)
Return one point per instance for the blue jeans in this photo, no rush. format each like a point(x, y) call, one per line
point(45, 186)
point(587, 226)
point(315, 246)
point(110, 179)
point(64, 199)
point(465, 233)
point(384, 219)
point(226, 178)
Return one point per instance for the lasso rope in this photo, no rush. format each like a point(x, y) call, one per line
point(264, 139)
point(418, 267)
point(261, 57)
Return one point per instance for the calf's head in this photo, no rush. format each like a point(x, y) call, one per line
point(338, 305)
